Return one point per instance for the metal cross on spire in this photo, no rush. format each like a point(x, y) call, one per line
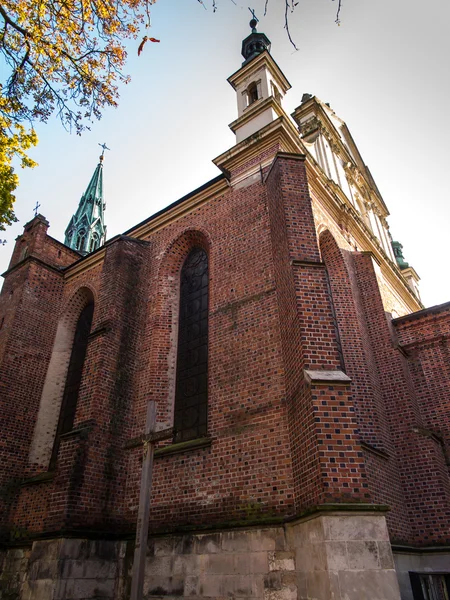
point(105, 147)
point(252, 10)
point(36, 208)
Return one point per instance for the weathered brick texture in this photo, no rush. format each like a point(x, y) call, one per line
point(287, 310)
point(424, 339)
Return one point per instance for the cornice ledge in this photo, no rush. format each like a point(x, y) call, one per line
point(254, 65)
point(398, 547)
point(337, 509)
point(281, 130)
point(31, 258)
point(254, 110)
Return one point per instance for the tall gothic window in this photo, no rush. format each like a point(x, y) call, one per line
point(191, 393)
point(94, 242)
point(81, 240)
point(73, 379)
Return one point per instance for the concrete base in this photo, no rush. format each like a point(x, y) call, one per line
point(330, 557)
point(426, 562)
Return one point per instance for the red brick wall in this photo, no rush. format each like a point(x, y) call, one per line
point(246, 473)
point(278, 444)
point(327, 457)
point(356, 320)
point(424, 337)
point(30, 299)
point(35, 241)
point(419, 466)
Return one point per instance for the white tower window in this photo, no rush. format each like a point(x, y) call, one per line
point(252, 93)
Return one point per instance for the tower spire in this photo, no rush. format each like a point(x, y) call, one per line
point(86, 230)
point(259, 84)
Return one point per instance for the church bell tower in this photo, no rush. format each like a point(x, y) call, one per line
point(87, 230)
point(260, 86)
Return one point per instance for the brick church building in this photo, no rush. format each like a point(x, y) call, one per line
point(278, 329)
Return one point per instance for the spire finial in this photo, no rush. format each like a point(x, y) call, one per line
point(105, 147)
point(256, 43)
point(254, 22)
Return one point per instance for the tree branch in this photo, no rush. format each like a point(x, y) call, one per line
point(14, 25)
point(286, 22)
point(338, 12)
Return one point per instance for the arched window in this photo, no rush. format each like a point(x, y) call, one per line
point(81, 240)
point(191, 393)
point(94, 242)
point(73, 379)
point(252, 93)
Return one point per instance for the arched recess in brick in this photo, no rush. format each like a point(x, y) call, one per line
point(54, 384)
point(163, 323)
point(358, 355)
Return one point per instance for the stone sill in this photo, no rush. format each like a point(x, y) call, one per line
point(334, 377)
point(373, 450)
point(82, 430)
point(40, 478)
point(204, 442)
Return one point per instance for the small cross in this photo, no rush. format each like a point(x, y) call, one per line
point(105, 147)
point(36, 208)
point(253, 14)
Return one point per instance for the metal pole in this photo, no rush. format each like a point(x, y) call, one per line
point(140, 549)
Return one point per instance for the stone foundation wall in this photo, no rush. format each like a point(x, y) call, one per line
point(13, 572)
point(344, 557)
point(240, 564)
point(328, 557)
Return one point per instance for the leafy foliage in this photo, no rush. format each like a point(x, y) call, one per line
point(14, 141)
point(63, 55)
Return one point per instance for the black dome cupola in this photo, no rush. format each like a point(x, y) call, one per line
point(254, 44)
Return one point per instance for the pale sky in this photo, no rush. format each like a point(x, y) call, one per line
point(384, 71)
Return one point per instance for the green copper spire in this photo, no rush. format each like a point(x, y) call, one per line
point(86, 230)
